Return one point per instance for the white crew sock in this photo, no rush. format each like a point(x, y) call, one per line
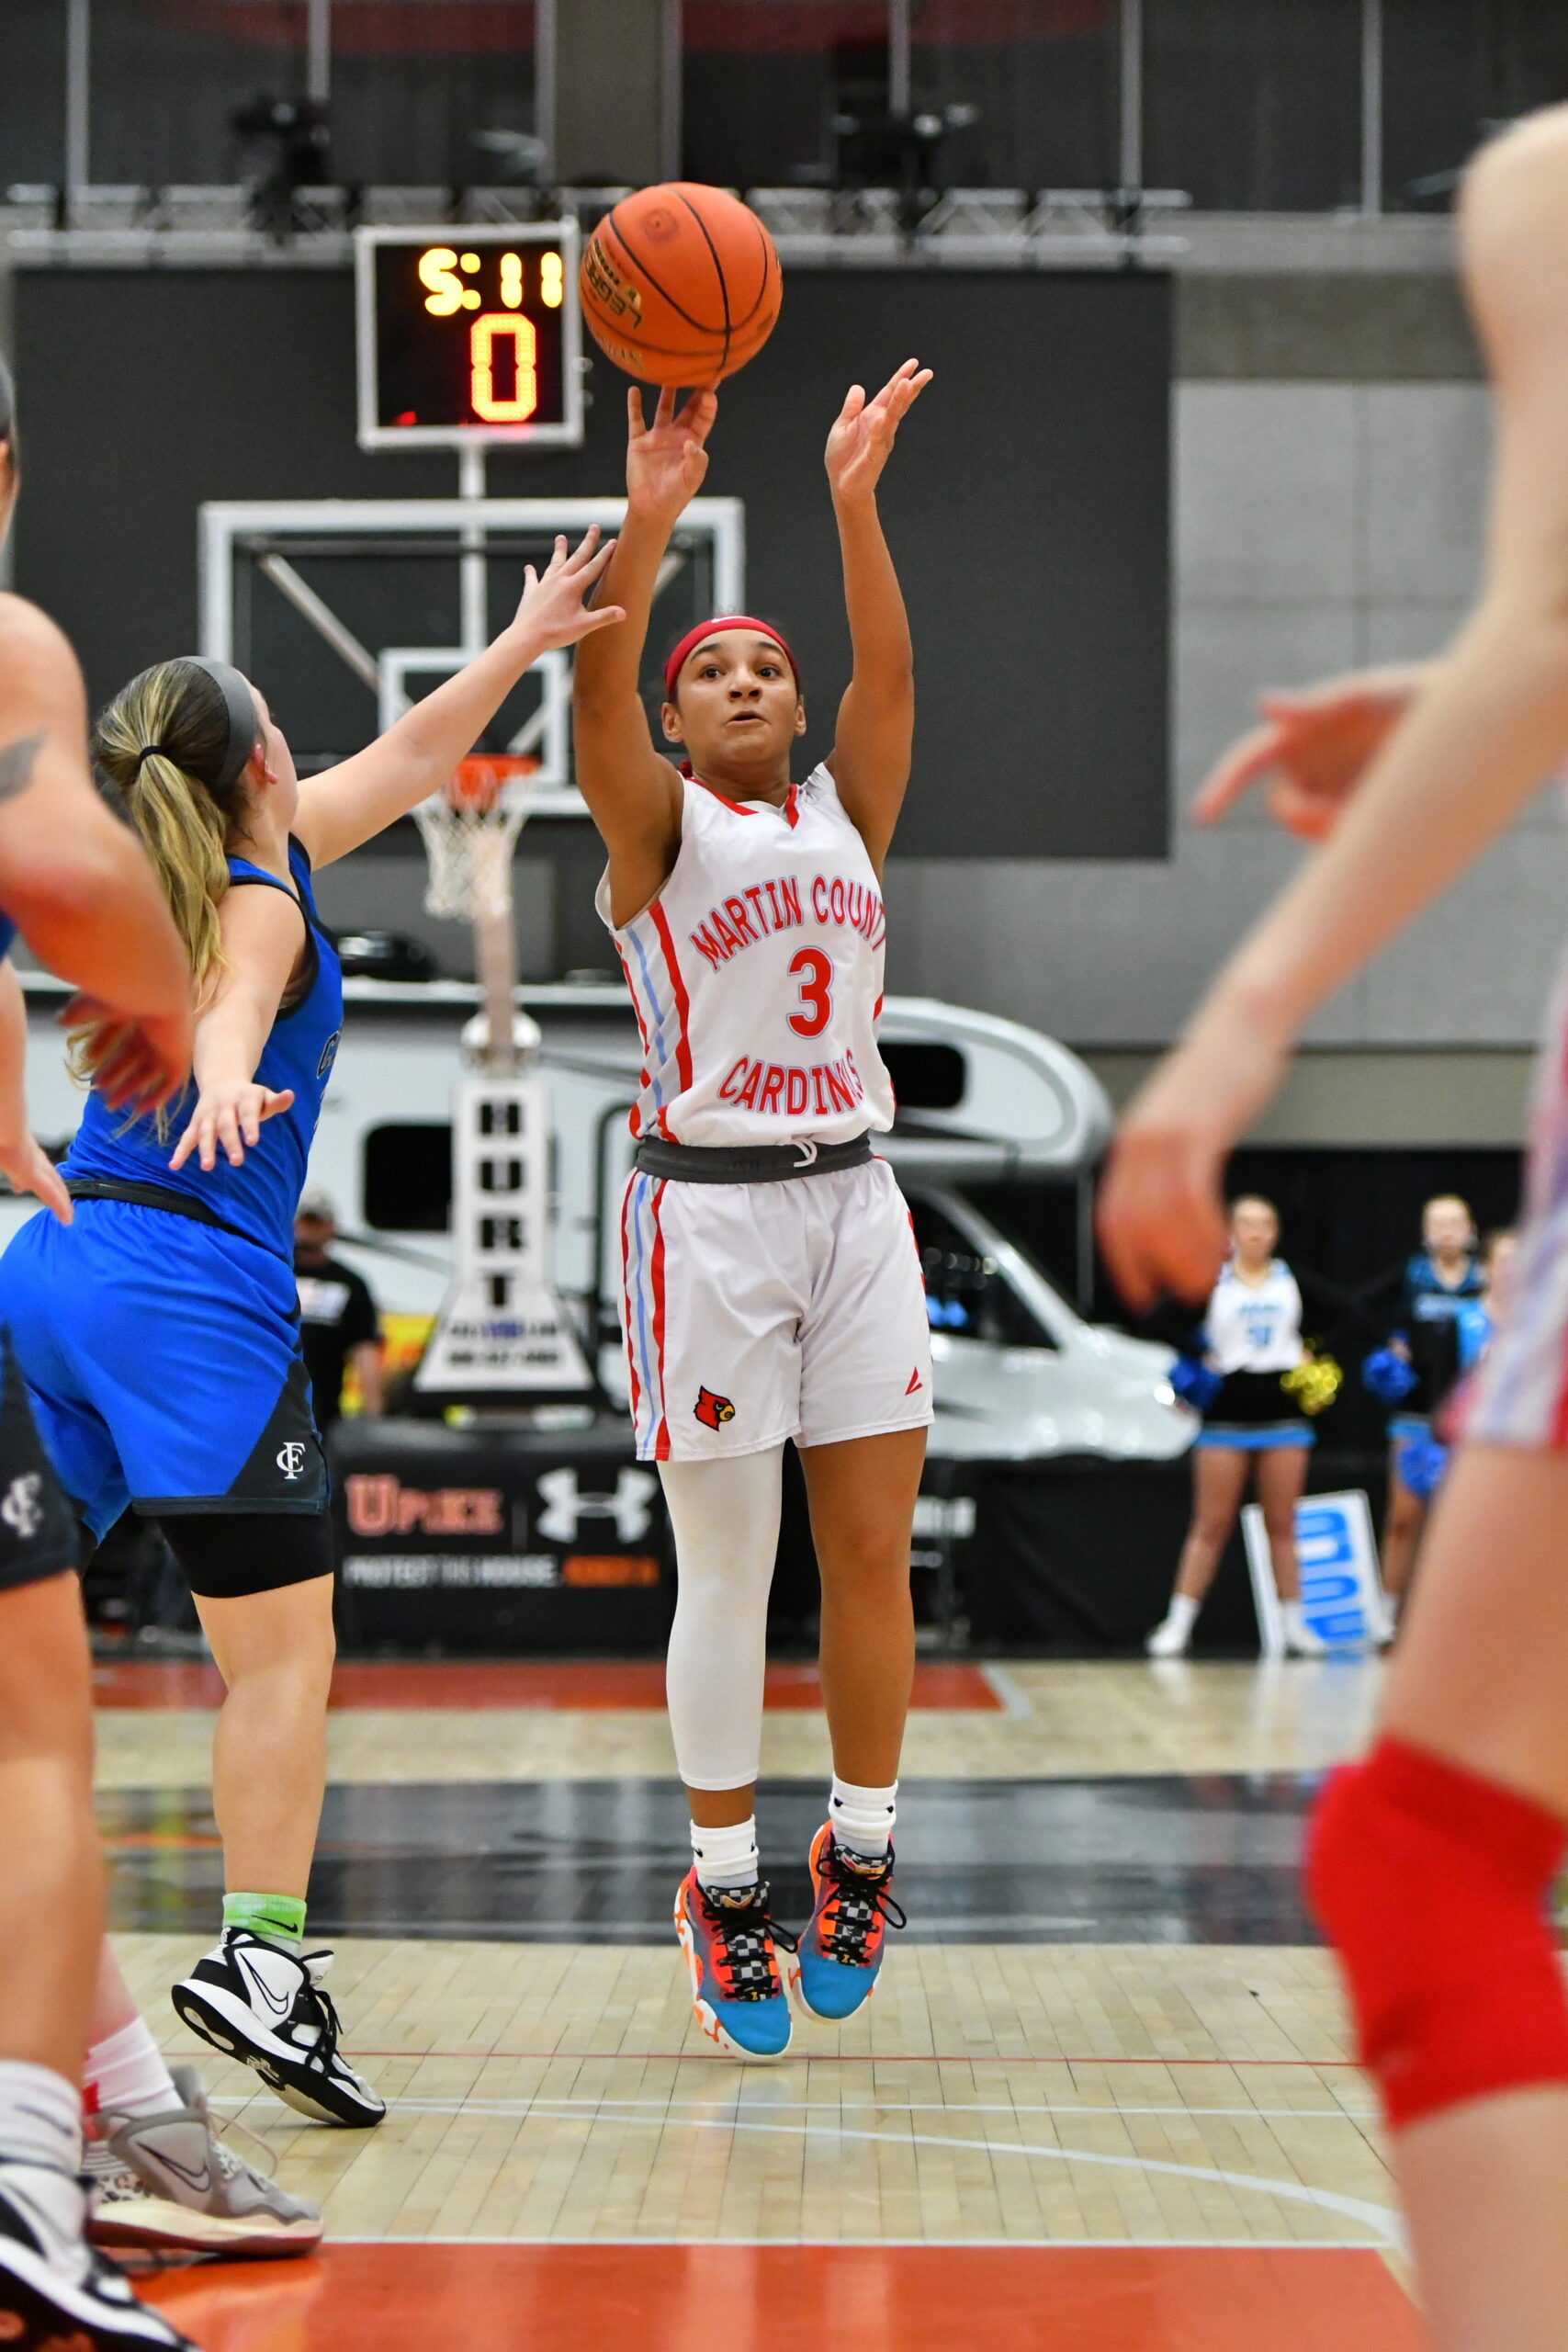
point(126, 2072)
point(727, 1857)
point(1182, 1614)
point(1294, 1623)
point(862, 1819)
point(40, 2147)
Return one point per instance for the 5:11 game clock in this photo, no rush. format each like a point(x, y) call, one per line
point(469, 334)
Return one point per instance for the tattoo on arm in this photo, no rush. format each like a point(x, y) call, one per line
point(17, 763)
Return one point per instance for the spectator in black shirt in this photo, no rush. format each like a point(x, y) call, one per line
point(337, 1315)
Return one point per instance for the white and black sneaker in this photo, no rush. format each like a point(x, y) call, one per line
point(264, 2006)
point(55, 2293)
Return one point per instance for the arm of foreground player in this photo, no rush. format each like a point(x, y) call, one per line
point(25, 1167)
point(1470, 752)
point(359, 798)
point(76, 882)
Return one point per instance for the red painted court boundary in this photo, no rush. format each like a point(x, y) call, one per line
point(800, 2298)
point(636, 1685)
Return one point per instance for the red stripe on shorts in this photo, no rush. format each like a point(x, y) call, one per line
point(661, 1438)
point(1559, 1412)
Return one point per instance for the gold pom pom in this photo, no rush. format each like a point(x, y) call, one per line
point(1314, 1384)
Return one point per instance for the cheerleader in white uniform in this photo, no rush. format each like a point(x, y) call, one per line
point(772, 1289)
point(1252, 1337)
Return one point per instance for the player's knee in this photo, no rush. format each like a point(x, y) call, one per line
point(1430, 1882)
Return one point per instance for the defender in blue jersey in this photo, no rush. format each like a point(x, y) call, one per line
point(158, 1332)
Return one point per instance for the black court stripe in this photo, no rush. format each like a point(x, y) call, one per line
point(698, 326)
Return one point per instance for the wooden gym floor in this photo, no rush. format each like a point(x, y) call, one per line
point(1103, 2098)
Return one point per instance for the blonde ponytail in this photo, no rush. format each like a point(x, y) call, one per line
point(160, 741)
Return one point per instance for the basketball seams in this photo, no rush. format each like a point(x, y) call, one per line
point(641, 268)
point(714, 351)
point(719, 274)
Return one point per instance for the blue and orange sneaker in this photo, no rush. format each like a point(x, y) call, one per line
point(737, 1992)
point(841, 1953)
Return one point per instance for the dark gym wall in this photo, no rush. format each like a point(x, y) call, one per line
point(1027, 503)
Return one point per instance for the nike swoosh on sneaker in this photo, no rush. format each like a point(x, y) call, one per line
point(200, 2181)
point(255, 1983)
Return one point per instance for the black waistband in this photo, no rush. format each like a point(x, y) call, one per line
point(153, 1196)
point(762, 1163)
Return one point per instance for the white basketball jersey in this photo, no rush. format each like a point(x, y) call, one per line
point(757, 976)
point(1255, 1327)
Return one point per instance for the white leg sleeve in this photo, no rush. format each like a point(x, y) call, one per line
point(726, 1517)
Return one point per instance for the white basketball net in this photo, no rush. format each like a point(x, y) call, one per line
point(470, 845)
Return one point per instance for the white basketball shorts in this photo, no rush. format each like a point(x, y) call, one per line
point(1521, 1391)
point(754, 1313)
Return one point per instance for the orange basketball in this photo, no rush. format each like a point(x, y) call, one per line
point(680, 284)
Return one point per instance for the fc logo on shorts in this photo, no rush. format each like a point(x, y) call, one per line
point(291, 1459)
point(22, 1508)
point(713, 1411)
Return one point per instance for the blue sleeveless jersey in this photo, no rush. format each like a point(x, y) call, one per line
point(8, 934)
point(259, 1197)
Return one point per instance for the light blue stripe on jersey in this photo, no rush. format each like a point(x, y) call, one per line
point(636, 1305)
point(658, 1016)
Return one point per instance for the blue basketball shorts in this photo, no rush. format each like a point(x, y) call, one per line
point(161, 1358)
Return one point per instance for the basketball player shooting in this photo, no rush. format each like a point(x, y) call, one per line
point(772, 1287)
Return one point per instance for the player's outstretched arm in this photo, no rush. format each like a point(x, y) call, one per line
point(870, 759)
point(76, 882)
point(634, 795)
point(360, 797)
point(261, 936)
point(1474, 746)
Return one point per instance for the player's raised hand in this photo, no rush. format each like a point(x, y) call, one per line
point(1160, 1216)
point(864, 431)
point(230, 1117)
point(27, 1168)
point(667, 461)
point(554, 609)
point(1316, 745)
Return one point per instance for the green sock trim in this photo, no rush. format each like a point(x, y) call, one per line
point(279, 1917)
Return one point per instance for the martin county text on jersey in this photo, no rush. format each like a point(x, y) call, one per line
point(835, 902)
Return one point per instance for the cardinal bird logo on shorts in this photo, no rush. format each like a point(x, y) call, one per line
point(713, 1411)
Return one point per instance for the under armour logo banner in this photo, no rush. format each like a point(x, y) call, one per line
point(291, 1458)
point(631, 1505)
point(23, 1507)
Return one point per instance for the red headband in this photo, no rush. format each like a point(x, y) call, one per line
point(695, 637)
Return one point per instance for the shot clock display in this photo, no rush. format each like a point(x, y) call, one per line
point(469, 334)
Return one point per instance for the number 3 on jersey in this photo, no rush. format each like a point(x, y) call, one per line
point(815, 973)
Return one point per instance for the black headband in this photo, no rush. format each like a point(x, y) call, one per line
point(239, 705)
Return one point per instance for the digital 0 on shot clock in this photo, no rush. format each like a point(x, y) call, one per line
point(469, 334)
